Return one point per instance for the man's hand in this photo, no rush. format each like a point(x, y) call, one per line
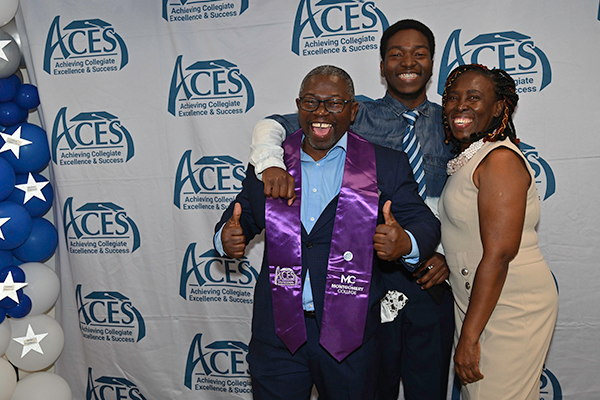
point(437, 272)
point(390, 240)
point(279, 183)
point(232, 235)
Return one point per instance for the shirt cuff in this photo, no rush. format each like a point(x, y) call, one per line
point(218, 243)
point(414, 256)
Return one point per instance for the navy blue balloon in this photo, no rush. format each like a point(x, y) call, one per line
point(9, 114)
point(23, 115)
point(41, 243)
point(14, 78)
point(7, 179)
point(27, 96)
point(6, 258)
point(8, 90)
point(33, 157)
point(16, 230)
point(2, 314)
point(35, 206)
point(18, 275)
point(22, 309)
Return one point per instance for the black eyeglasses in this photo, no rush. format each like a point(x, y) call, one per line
point(311, 104)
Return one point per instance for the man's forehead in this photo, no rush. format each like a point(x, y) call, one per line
point(325, 85)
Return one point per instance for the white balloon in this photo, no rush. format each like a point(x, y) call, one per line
point(10, 54)
point(42, 386)
point(45, 335)
point(4, 335)
point(8, 379)
point(8, 9)
point(42, 287)
point(11, 29)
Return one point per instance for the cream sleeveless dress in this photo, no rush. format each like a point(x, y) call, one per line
point(515, 340)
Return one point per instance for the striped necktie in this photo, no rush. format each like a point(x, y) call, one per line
point(412, 148)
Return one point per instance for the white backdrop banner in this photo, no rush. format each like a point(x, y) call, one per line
point(149, 107)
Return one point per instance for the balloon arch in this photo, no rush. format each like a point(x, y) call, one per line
point(30, 340)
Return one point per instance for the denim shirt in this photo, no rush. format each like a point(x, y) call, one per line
point(381, 122)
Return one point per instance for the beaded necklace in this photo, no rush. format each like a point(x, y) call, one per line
point(458, 162)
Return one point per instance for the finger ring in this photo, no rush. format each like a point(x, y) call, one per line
point(430, 267)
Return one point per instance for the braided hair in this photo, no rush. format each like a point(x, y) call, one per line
point(502, 126)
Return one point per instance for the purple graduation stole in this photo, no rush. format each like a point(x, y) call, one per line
point(350, 257)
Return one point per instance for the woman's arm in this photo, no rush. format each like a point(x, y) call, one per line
point(503, 181)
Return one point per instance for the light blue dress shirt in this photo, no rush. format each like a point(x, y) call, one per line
point(321, 182)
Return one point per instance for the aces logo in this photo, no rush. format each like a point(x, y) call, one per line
point(206, 88)
point(220, 366)
point(544, 177)
point(196, 10)
point(109, 316)
point(336, 26)
point(90, 138)
point(210, 278)
point(514, 52)
point(99, 228)
point(111, 388)
point(210, 183)
point(84, 46)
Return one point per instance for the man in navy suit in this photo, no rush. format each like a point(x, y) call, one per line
point(316, 308)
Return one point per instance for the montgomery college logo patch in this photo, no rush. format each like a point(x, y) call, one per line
point(210, 278)
point(99, 228)
point(82, 47)
point(511, 51)
point(211, 183)
point(197, 10)
point(207, 88)
point(90, 138)
point(109, 316)
point(336, 26)
point(221, 367)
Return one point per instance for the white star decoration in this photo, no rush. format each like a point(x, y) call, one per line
point(32, 189)
point(13, 142)
point(3, 44)
point(2, 222)
point(31, 341)
point(9, 288)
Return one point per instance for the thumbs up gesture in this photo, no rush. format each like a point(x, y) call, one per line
point(232, 235)
point(390, 240)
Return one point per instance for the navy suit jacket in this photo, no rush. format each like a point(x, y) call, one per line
point(395, 182)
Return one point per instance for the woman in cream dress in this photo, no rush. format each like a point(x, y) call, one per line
point(505, 295)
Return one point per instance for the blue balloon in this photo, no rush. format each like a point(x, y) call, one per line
point(35, 206)
point(16, 228)
point(2, 314)
point(21, 309)
point(32, 157)
point(7, 179)
point(18, 275)
point(23, 115)
point(8, 90)
point(6, 258)
point(14, 78)
point(9, 114)
point(41, 243)
point(27, 96)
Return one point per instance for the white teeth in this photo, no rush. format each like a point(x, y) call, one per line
point(462, 121)
point(320, 125)
point(408, 76)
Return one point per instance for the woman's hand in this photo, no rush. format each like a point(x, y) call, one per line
point(466, 361)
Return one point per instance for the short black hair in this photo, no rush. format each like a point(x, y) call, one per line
point(403, 25)
point(330, 70)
